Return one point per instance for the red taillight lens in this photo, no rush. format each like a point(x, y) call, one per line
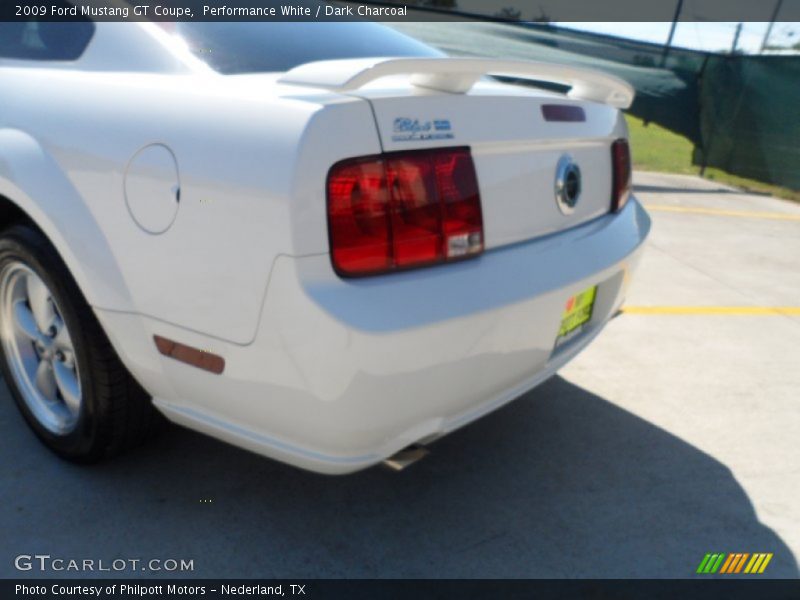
point(621, 164)
point(457, 183)
point(358, 216)
point(403, 210)
point(416, 216)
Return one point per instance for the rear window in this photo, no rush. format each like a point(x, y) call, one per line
point(233, 48)
point(37, 40)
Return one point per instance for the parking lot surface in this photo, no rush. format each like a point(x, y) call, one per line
point(675, 434)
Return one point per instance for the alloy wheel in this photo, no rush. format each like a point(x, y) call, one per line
point(39, 349)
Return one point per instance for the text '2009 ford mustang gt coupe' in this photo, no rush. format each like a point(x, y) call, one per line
point(322, 242)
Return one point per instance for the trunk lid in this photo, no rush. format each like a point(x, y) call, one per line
point(516, 150)
point(522, 139)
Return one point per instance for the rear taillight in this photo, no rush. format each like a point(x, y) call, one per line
point(621, 177)
point(402, 210)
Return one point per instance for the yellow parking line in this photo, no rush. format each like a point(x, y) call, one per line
point(713, 310)
point(723, 213)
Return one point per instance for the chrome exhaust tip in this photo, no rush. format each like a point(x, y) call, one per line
point(406, 457)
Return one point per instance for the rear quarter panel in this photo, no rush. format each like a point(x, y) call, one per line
point(237, 147)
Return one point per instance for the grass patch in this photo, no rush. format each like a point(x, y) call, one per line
point(657, 149)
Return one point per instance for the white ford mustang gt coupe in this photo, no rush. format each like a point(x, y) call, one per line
point(322, 242)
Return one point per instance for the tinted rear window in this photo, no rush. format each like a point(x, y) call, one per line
point(233, 48)
point(36, 40)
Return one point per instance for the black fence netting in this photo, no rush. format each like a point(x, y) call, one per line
point(740, 112)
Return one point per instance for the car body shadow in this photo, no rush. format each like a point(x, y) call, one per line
point(560, 483)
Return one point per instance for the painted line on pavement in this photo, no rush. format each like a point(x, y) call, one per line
point(747, 214)
point(739, 311)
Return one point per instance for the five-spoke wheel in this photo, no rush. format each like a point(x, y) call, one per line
point(59, 365)
point(39, 348)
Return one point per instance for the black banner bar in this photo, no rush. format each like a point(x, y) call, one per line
point(733, 588)
point(398, 10)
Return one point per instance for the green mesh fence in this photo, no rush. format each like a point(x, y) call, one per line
point(740, 112)
point(750, 117)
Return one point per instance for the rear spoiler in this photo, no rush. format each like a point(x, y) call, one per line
point(458, 75)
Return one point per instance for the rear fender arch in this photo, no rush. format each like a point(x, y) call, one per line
point(33, 181)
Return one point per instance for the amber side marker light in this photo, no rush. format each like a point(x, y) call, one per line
point(191, 356)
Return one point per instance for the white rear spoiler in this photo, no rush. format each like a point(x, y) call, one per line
point(458, 75)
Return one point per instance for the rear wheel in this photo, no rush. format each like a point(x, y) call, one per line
point(59, 366)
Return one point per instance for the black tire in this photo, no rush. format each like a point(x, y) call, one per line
point(115, 413)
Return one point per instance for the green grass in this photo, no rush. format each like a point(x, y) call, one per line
point(657, 149)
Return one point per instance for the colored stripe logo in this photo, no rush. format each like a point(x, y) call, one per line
point(734, 562)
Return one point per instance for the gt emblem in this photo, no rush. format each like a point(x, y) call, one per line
point(568, 184)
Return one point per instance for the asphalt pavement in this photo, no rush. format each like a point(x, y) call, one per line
point(675, 434)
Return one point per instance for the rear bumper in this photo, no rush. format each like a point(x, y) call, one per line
point(344, 373)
